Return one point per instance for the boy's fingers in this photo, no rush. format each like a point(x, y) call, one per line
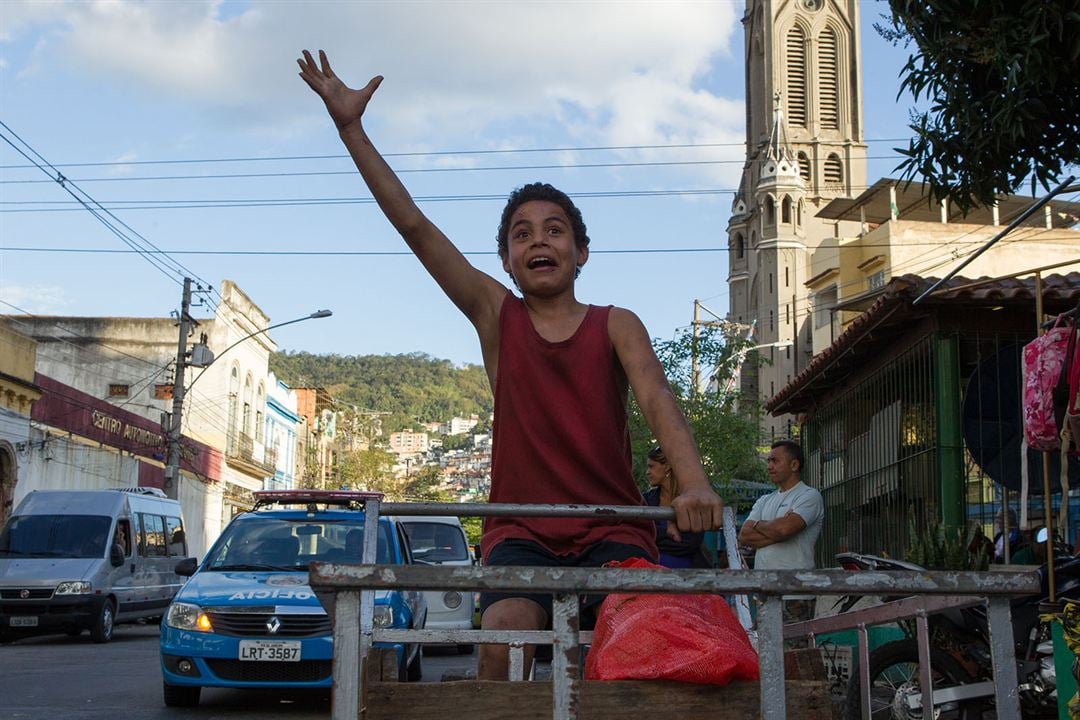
point(325, 64)
point(373, 84)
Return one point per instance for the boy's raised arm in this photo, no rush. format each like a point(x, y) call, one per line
point(698, 507)
point(476, 294)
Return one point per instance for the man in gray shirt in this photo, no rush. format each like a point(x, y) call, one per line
point(784, 525)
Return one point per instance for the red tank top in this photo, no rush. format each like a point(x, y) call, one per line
point(561, 434)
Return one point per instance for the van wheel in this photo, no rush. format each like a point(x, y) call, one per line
point(180, 695)
point(102, 629)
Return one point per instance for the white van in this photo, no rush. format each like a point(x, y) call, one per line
point(88, 559)
point(440, 540)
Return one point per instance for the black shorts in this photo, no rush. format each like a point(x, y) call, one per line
point(526, 553)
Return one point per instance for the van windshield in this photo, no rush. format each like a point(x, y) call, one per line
point(55, 536)
point(434, 542)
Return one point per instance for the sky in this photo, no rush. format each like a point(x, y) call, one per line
point(188, 123)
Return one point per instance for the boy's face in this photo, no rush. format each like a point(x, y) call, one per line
point(541, 252)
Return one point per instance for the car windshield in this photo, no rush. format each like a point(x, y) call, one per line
point(55, 536)
point(273, 542)
point(435, 542)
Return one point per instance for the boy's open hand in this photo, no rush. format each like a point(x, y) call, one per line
point(698, 510)
point(344, 104)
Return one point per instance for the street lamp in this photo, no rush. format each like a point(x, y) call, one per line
point(212, 359)
point(730, 384)
point(205, 359)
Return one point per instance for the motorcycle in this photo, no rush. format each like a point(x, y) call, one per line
point(960, 653)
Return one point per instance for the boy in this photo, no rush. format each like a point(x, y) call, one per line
point(559, 370)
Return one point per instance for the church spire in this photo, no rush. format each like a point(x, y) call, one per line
point(779, 148)
point(779, 163)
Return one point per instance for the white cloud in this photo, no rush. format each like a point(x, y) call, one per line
point(35, 299)
point(612, 72)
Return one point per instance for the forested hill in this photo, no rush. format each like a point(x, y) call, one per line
point(413, 387)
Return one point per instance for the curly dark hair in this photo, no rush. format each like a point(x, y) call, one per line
point(541, 191)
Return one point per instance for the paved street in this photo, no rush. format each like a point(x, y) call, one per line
point(72, 678)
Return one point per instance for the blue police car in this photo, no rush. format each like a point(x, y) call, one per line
point(247, 617)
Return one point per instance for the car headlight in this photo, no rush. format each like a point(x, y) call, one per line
point(187, 616)
point(73, 587)
point(452, 599)
point(384, 616)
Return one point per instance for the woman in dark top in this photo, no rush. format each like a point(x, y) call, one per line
point(677, 549)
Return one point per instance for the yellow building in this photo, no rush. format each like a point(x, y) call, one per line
point(902, 233)
point(17, 394)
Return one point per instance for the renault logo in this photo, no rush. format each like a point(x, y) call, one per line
point(273, 624)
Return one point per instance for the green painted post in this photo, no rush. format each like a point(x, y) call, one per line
point(950, 455)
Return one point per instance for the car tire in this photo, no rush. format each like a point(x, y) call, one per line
point(180, 695)
point(465, 649)
point(102, 629)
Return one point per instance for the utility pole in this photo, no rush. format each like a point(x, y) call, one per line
point(172, 462)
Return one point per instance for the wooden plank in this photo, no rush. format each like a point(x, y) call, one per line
point(487, 700)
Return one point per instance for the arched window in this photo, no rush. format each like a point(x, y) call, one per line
point(798, 214)
point(796, 76)
point(770, 211)
point(245, 420)
point(260, 399)
point(739, 246)
point(828, 74)
point(234, 402)
point(834, 172)
point(804, 167)
point(785, 210)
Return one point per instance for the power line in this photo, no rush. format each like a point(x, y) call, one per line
point(71, 187)
point(430, 153)
point(402, 171)
point(293, 202)
point(404, 253)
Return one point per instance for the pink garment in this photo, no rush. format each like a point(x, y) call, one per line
point(1044, 362)
point(561, 434)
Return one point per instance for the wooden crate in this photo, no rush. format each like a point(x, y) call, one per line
point(387, 699)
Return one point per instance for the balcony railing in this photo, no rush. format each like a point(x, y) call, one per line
point(240, 451)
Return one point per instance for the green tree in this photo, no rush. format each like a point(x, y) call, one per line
point(1001, 79)
point(425, 485)
point(725, 426)
point(457, 442)
point(370, 470)
point(410, 388)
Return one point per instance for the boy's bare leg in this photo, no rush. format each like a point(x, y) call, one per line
point(509, 614)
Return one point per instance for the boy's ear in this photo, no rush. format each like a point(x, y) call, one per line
point(583, 255)
point(505, 257)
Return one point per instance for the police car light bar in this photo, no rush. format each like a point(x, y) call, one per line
point(329, 497)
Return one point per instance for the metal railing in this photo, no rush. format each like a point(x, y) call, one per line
point(351, 590)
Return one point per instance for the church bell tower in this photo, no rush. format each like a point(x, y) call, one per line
point(804, 147)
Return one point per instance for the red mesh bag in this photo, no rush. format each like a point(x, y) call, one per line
point(689, 638)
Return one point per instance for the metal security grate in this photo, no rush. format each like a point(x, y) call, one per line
point(255, 625)
point(305, 671)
